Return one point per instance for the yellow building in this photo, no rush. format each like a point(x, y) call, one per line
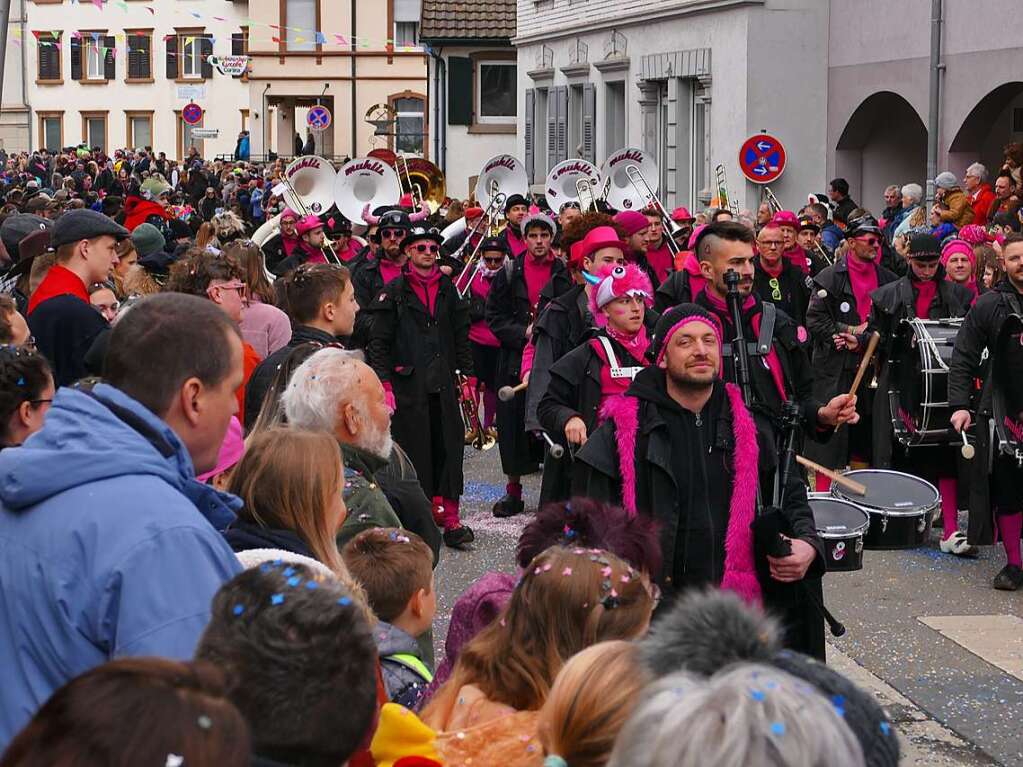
point(359, 58)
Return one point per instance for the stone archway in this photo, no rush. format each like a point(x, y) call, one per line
point(884, 142)
point(987, 129)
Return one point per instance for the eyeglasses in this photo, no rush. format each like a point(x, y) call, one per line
point(394, 234)
point(871, 241)
point(40, 401)
point(237, 285)
point(775, 289)
point(772, 244)
point(423, 248)
point(494, 261)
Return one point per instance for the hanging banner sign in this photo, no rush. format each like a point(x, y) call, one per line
point(231, 66)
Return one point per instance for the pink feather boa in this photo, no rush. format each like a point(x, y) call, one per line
point(740, 572)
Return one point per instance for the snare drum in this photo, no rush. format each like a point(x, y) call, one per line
point(900, 506)
point(918, 381)
point(841, 525)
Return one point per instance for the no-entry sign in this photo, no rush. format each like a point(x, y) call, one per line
point(762, 158)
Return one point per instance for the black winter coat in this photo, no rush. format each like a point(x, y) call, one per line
point(509, 313)
point(673, 291)
point(65, 328)
point(835, 369)
point(891, 304)
point(975, 341)
point(367, 283)
point(420, 355)
point(793, 286)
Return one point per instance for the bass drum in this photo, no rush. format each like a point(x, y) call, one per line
point(1006, 397)
point(918, 385)
point(900, 506)
point(841, 525)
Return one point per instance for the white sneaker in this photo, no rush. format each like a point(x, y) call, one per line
point(957, 544)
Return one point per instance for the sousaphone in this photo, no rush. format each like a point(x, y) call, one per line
point(309, 185)
point(501, 173)
point(562, 183)
point(622, 192)
point(365, 181)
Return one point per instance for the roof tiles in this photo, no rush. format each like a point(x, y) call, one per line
point(468, 19)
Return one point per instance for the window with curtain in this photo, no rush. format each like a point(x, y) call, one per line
point(411, 125)
point(94, 58)
point(497, 91)
point(300, 34)
point(191, 57)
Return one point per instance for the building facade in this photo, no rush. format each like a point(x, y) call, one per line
point(119, 74)
point(15, 116)
point(473, 80)
point(359, 58)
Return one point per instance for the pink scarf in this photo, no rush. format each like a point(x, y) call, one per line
point(863, 277)
point(426, 287)
point(289, 244)
point(797, 257)
point(925, 292)
point(661, 260)
point(697, 282)
point(389, 270)
point(636, 345)
point(479, 331)
point(537, 275)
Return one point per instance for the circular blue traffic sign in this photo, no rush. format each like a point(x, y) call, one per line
point(318, 118)
point(192, 113)
point(762, 158)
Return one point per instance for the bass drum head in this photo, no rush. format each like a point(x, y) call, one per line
point(895, 492)
point(834, 517)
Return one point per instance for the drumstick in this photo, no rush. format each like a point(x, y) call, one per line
point(967, 450)
point(867, 356)
point(507, 393)
point(849, 484)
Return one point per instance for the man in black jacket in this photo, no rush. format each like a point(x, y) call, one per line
point(419, 347)
point(980, 334)
point(681, 446)
point(377, 271)
point(842, 203)
point(320, 300)
point(511, 311)
point(837, 321)
point(776, 278)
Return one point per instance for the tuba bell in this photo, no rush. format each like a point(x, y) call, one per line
point(365, 181)
point(569, 181)
point(622, 193)
point(503, 174)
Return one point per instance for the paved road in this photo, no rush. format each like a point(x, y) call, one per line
point(927, 634)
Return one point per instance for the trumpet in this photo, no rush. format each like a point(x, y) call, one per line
point(475, 262)
point(640, 184)
point(772, 201)
point(475, 435)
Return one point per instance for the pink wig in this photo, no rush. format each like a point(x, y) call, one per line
point(615, 282)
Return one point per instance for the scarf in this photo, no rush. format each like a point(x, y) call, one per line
point(636, 345)
point(772, 271)
point(797, 257)
point(537, 275)
point(59, 281)
point(289, 243)
point(697, 282)
point(863, 278)
point(661, 260)
point(479, 331)
point(389, 270)
point(925, 292)
point(426, 287)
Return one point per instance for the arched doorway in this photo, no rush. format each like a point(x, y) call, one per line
point(996, 120)
point(884, 142)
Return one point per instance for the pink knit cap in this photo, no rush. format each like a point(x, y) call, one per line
point(231, 451)
point(632, 221)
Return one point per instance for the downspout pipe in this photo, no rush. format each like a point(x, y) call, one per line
point(435, 55)
point(934, 113)
point(444, 114)
point(355, 83)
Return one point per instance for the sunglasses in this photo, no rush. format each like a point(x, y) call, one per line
point(494, 261)
point(424, 248)
point(393, 234)
point(872, 241)
point(775, 289)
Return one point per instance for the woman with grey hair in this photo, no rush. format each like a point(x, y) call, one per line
point(912, 196)
point(745, 716)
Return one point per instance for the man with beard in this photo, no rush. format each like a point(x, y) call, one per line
point(779, 368)
point(511, 310)
point(635, 228)
point(516, 208)
point(922, 293)
point(376, 272)
point(311, 247)
point(996, 486)
point(419, 346)
point(776, 278)
point(681, 446)
point(837, 321)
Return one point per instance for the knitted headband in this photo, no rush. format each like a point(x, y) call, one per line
point(676, 318)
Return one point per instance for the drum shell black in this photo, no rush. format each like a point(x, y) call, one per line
point(843, 552)
point(890, 526)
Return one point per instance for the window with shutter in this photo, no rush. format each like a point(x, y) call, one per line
point(205, 51)
point(172, 57)
point(76, 58)
point(529, 134)
point(460, 91)
point(109, 67)
point(562, 148)
point(140, 62)
point(552, 127)
point(49, 58)
point(589, 139)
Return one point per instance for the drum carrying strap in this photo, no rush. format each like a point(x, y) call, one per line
point(612, 361)
point(765, 339)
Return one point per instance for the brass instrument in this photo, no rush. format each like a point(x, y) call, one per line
point(422, 179)
point(475, 262)
point(650, 199)
point(469, 404)
point(309, 184)
point(724, 198)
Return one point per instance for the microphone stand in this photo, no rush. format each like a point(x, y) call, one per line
point(770, 524)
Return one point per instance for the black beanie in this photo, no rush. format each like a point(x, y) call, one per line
point(674, 318)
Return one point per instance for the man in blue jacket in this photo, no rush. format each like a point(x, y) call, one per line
point(108, 545)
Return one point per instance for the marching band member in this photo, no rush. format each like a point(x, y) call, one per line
point(837, 321)
point(686, 281)
point(805, 260)
point(681, 446)
point(568, 212)
point(309, 249)
point(776, 278)
point(635, 228)
point(472, 221)
point(510, 312)
point(281, 245)
point(999, 491)
point(658, 254)
point(376, 272)
point(486, 349)
point(921, 293)
point(605, 364)
point(516, 208)
point(419, 343)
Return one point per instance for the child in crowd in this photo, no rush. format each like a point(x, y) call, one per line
point(395, 567)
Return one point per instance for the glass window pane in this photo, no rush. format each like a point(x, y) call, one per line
point(190, 66)
point(51, 133)
point(497, 90)
point(96, 127)
point(141, 132)
point(301, 31)
point(94, 61)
